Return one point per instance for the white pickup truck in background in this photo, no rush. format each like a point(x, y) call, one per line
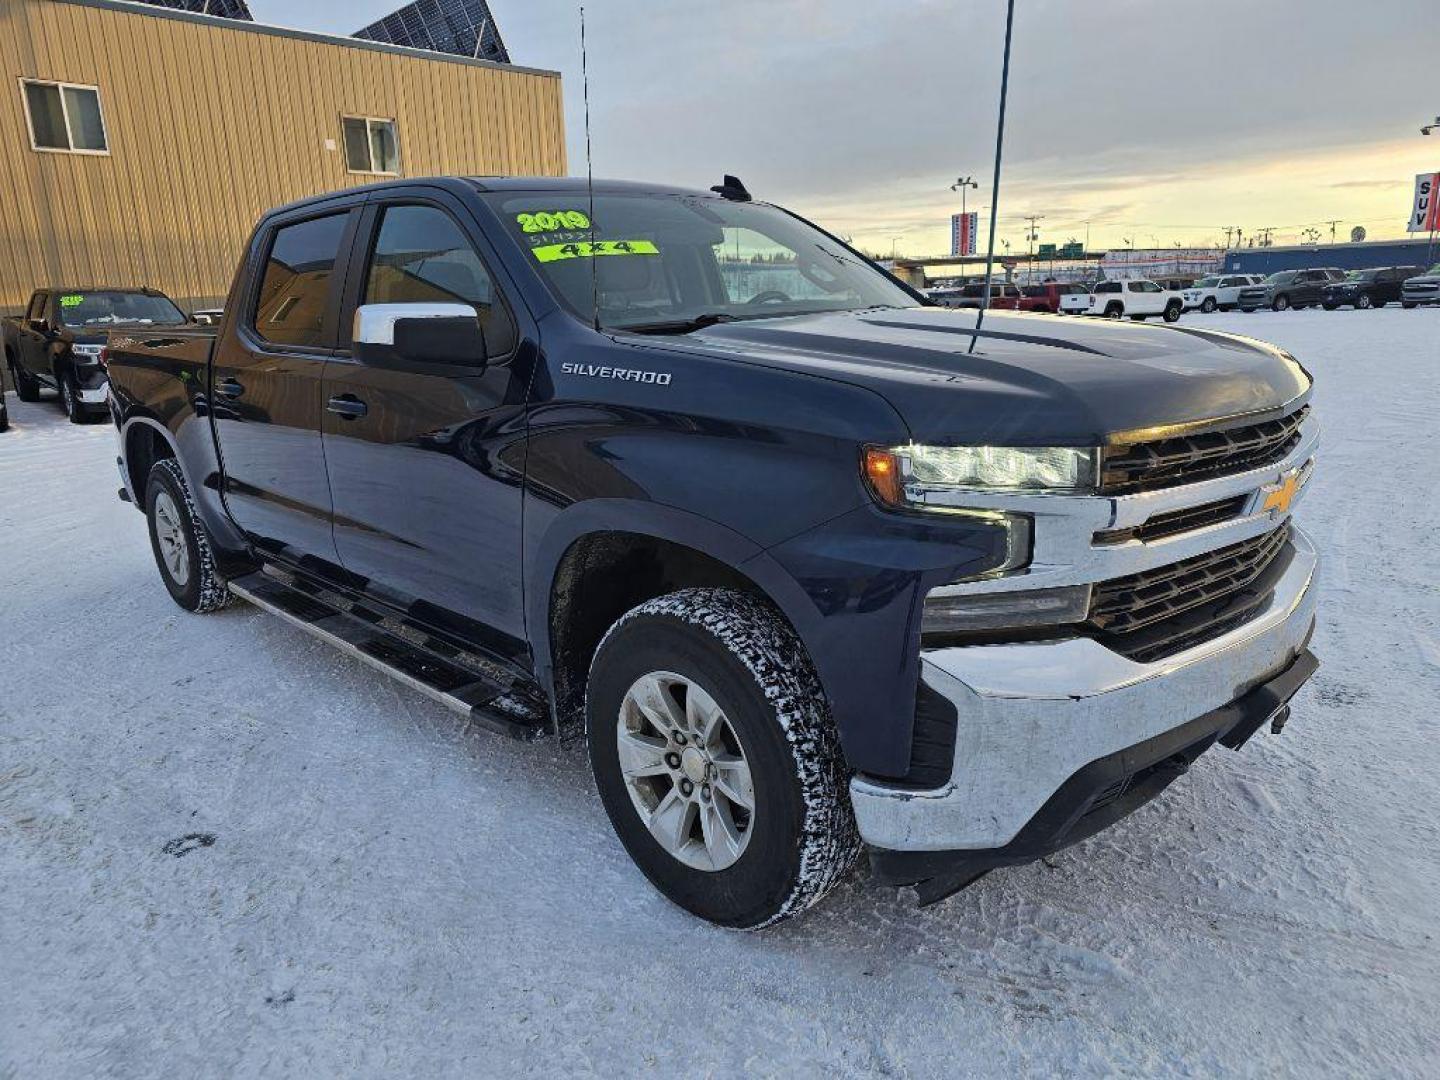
point(1218, 291)
point(1137, 299)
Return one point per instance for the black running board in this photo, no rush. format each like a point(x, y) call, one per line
point(475, 687)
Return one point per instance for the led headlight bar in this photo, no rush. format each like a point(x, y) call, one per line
point(900, 474)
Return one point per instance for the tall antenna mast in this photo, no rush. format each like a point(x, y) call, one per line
point(589, 175)
point(995, 185)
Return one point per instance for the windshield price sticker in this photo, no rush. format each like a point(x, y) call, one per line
point(586, 250)
point(71, 301)
point(543, 221)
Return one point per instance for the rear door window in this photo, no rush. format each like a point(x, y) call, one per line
point(295, 289)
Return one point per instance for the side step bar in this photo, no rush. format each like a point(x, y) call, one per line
point(467, 683)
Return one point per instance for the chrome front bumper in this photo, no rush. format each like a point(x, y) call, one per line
point(1033, 714)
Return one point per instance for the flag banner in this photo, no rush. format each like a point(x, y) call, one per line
point(962, 232)
point(1425, 213)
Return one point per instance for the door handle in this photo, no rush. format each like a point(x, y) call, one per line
point(229, 388)
point(347, 407)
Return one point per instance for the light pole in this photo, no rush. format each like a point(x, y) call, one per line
point(892, 245)
point(960, 186)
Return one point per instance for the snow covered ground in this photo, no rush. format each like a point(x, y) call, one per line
point(386, 893)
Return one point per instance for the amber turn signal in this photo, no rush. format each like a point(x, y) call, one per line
point(882, 474)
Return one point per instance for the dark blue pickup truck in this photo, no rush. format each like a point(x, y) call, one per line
point(817, 567)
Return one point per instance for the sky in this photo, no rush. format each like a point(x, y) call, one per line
point(1157, 123)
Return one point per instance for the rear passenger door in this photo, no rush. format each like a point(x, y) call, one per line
point(426, 459)
point(268, 381)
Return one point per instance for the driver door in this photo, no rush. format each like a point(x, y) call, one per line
point(426, 459)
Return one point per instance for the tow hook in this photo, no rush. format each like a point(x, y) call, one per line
point(1277, 722)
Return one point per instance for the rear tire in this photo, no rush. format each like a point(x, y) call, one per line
point(179, 541)
point(1115, 311)
point(1209, 306)
point(27, 387)
point(1403, 304)
point(691, 657)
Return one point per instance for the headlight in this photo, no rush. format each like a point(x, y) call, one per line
point(909, 475)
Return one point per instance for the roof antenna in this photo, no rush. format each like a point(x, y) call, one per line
point(589, 176)
point(995, 186)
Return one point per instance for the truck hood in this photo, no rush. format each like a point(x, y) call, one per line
point(1021, 380)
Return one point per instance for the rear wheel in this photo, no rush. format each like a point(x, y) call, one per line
point(27, 387)
point(179, 541)
point(1209, 306)
point(1114, 311)
point(716, 758)
point(1403, 304)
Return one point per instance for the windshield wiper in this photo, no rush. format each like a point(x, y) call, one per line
point(681, 326)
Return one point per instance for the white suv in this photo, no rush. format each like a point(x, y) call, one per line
point(1137, 299)
point(1217, 291)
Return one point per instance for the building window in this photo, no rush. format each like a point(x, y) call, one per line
point(64, 118)
point(370, 145)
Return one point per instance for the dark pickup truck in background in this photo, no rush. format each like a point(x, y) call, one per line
point(817, 566)
point(58, 342)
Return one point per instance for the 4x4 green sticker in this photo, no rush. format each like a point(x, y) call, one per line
point(556, 252)
point(71, 301)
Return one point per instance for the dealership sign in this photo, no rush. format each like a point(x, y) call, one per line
point(962, 233)
point(1425, 214)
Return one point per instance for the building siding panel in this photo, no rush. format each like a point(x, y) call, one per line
point(210, 124)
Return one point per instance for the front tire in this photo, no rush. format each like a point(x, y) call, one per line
point(717, 760)
point(1172, 312)
point(180, 543)
point(1364, 303)
point(1280, 303)
point(70, 401)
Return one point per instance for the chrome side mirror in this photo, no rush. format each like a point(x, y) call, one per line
point(420, 334)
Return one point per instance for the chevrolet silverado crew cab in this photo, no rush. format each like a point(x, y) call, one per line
point(1137, 299)
point(58, 343)
point(817, 567)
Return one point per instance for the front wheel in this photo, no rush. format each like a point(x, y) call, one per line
point(70, 401)
point(717, 760)
point(1172, 312)
point(180, 543)
point(1364, 303)
point(1403, 304)
point(1281, 303)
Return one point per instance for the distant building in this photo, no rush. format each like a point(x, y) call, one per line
point(139, 144)
point(1360, 256)
point(457, 27)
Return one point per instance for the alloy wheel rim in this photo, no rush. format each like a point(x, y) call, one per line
point(174, 552)
point(686, 771)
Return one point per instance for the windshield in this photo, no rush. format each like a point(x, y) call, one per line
point(1207, 282)
point(105, 308)
point(1434, 271)
point(670, 259)
point(1283, 277)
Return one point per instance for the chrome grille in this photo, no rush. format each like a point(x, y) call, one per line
point(1185, 459)
point(1156, 613)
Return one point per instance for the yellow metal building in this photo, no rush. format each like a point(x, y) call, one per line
point(138, 145)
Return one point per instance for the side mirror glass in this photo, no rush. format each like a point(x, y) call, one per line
point(420, 334)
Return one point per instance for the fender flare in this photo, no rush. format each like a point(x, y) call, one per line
point(127, 477)
point(654, 521)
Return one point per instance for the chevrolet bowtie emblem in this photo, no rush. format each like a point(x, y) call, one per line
point(1279, 497)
